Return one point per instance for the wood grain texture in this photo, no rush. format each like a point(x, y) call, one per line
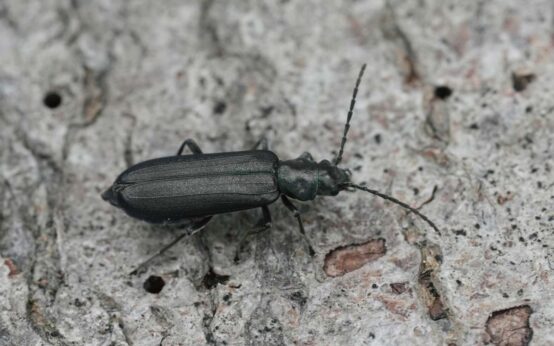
point(457, 95)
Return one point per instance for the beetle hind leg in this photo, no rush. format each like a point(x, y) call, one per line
point(191, 144)
point(195, 228)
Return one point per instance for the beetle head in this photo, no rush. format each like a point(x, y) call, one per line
point(331, 179)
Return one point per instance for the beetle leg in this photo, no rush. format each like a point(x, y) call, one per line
point(293, 208)
point(196, 227)
point(262, 225)
point(306, 156)
point(261, 144)
point(191, 144)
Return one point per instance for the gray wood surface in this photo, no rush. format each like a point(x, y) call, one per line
point(457, 95)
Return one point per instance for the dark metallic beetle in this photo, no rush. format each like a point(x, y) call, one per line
point(174, 188)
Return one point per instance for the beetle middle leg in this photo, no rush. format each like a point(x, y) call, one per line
point(293, 208)
point(261, 226)
point(191, 144)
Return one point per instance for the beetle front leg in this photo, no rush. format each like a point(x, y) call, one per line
point(191, 144)
point(293, 208)
point(263, 225)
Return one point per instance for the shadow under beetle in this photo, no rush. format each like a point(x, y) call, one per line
point(172, 189)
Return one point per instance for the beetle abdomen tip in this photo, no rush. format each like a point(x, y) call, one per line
point(110, 196)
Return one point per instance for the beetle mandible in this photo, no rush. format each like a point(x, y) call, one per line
point(174, 188)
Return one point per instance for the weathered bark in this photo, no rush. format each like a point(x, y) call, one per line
point(456, 95)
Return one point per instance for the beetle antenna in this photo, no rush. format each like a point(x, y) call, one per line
point(349, 116)
point(394, 200)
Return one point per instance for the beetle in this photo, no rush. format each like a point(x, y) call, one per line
point(197, 186)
